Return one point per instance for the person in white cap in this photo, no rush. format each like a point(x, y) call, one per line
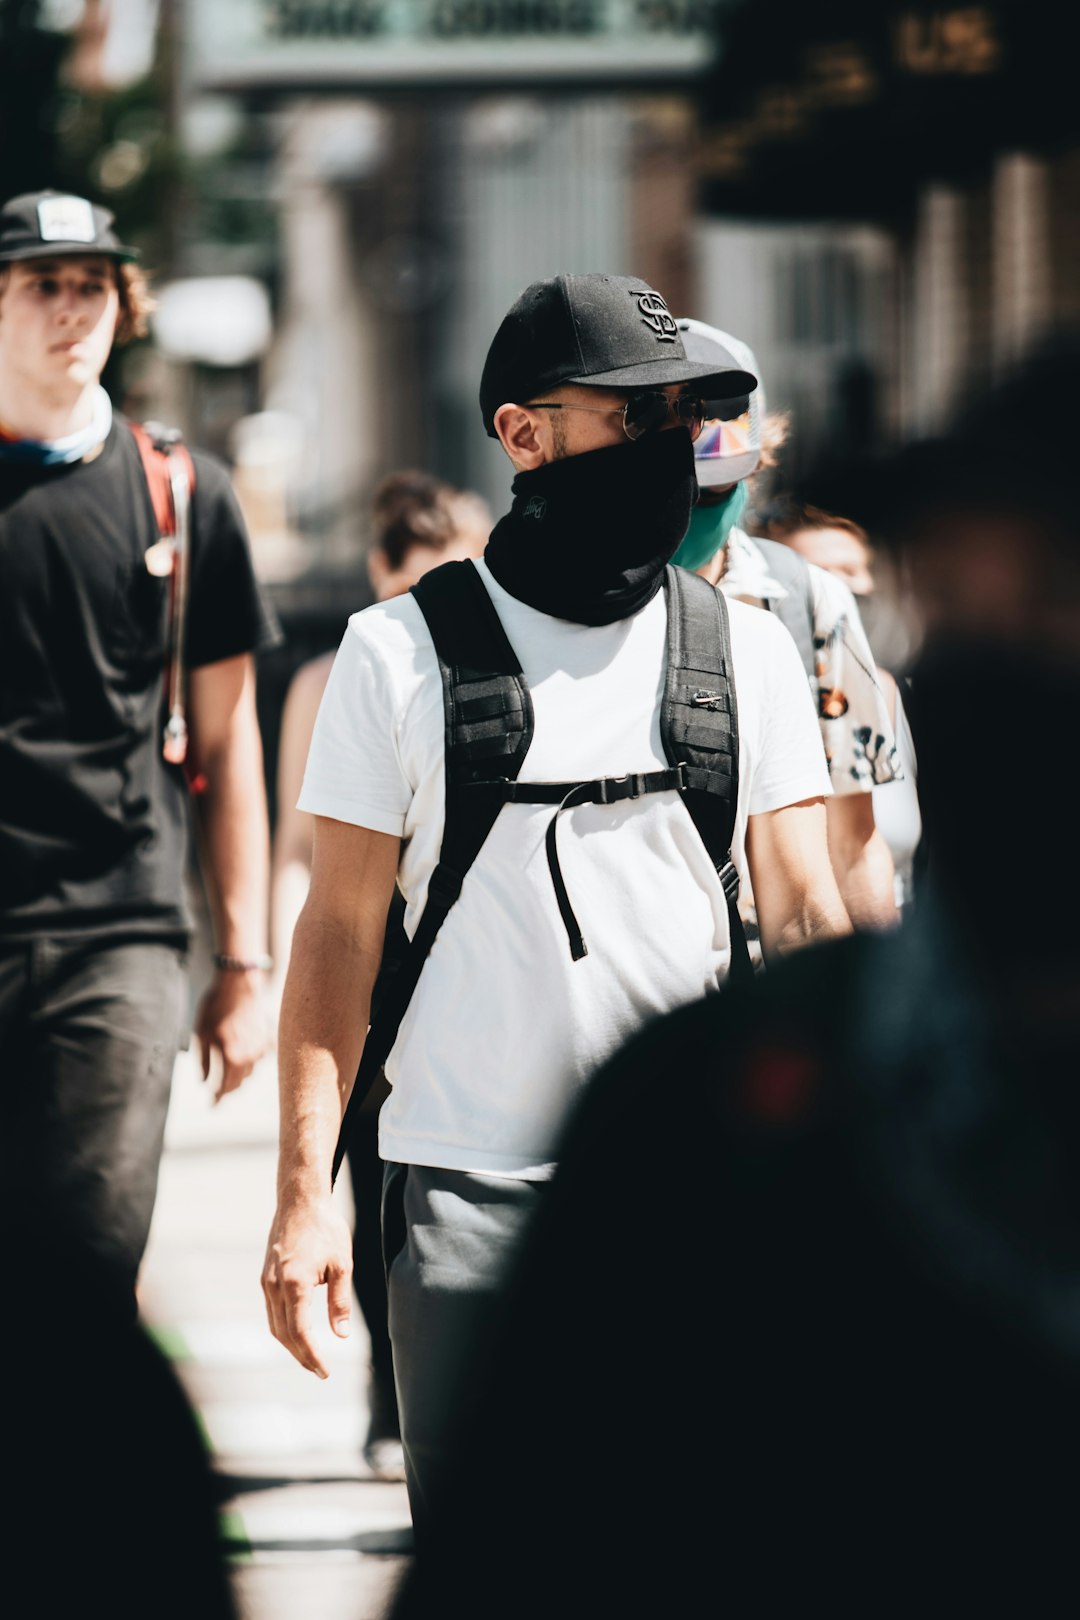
point(823, 617)
point(94, 805)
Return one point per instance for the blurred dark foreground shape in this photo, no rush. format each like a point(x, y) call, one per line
point(863, 1245)
point(111, 1508)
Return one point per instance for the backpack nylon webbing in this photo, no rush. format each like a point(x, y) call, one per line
point(795, 610)
point(489, 727)
point(170, 477)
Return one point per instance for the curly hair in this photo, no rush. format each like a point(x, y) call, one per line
point(137, 303)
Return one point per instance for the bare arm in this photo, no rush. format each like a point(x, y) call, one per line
point(233, 830)
point(337, 946)
point(290, 865)
point(861, 860)
point(795, 890)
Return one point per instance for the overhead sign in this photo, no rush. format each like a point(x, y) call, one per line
point(844, 110)
point(497, 44)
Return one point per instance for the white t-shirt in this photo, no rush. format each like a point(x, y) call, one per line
point(504, 1026)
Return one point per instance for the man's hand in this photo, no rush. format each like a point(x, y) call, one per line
point(233, 1020)
point(310, 1244)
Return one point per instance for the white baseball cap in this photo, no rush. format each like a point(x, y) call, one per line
point(728, 448)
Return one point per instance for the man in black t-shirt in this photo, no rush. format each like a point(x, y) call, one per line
point(93, 819)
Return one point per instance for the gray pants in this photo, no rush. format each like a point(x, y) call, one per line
point(448, 1239)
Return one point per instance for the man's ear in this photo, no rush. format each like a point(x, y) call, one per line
point(522, 437)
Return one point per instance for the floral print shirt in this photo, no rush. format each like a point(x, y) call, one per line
point(853, 712)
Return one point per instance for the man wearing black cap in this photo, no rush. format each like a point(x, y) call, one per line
point(93, 815)
point(588, 388)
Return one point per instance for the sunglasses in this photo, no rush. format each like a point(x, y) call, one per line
point(645, 413)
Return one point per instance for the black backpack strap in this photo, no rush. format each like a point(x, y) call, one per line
point(565, 795)
point(795, 610)
point(489, 726)
point(699, 728)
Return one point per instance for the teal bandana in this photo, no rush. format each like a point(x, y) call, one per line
point(709, 529)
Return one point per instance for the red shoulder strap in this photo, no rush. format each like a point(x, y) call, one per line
point(156, 453)
point(155, 462)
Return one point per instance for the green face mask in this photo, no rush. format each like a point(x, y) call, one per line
point(709, 529)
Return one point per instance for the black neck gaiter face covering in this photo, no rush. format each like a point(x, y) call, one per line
point(587, 537)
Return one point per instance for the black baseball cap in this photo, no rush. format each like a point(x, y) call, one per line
point(602, 331)
point(53, 224)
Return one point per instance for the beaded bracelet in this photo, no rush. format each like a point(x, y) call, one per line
point(242, 964)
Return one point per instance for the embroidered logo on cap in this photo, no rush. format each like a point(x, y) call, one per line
point(66, 219)
point(655, 313)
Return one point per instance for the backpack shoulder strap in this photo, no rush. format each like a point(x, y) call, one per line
point(699, 728)
point(486, 702)
point(170, 478)
point(795, 610)
point(699, 724)
point(488, 719)
point(157, 448)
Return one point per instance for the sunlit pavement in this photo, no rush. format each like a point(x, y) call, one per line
point(308, 1530)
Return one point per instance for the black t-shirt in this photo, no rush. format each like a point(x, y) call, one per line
point(93, 822)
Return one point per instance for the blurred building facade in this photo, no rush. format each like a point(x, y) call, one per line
point(393, 176)
point(421, 164)
point(881, 199)
point(893, 192)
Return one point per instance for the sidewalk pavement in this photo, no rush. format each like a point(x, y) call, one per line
point(309, 1530)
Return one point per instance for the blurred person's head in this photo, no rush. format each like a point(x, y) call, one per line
point(842, 547)
point(836, 544)
point(69, 291)
point(420, 522)
point(739, 438)
point(990, 544)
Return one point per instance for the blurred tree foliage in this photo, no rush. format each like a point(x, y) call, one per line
point(30, 61)
point(198, 212)
point(116, 145)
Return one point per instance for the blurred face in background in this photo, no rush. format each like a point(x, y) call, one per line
point(838, 552)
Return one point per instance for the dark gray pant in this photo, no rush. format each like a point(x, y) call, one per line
point(449, 1239)
point(89, 1033)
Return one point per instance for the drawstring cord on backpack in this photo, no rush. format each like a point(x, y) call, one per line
point(576, 795)
point(565, 795)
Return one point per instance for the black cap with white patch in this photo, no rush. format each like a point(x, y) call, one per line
point(48, 224)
